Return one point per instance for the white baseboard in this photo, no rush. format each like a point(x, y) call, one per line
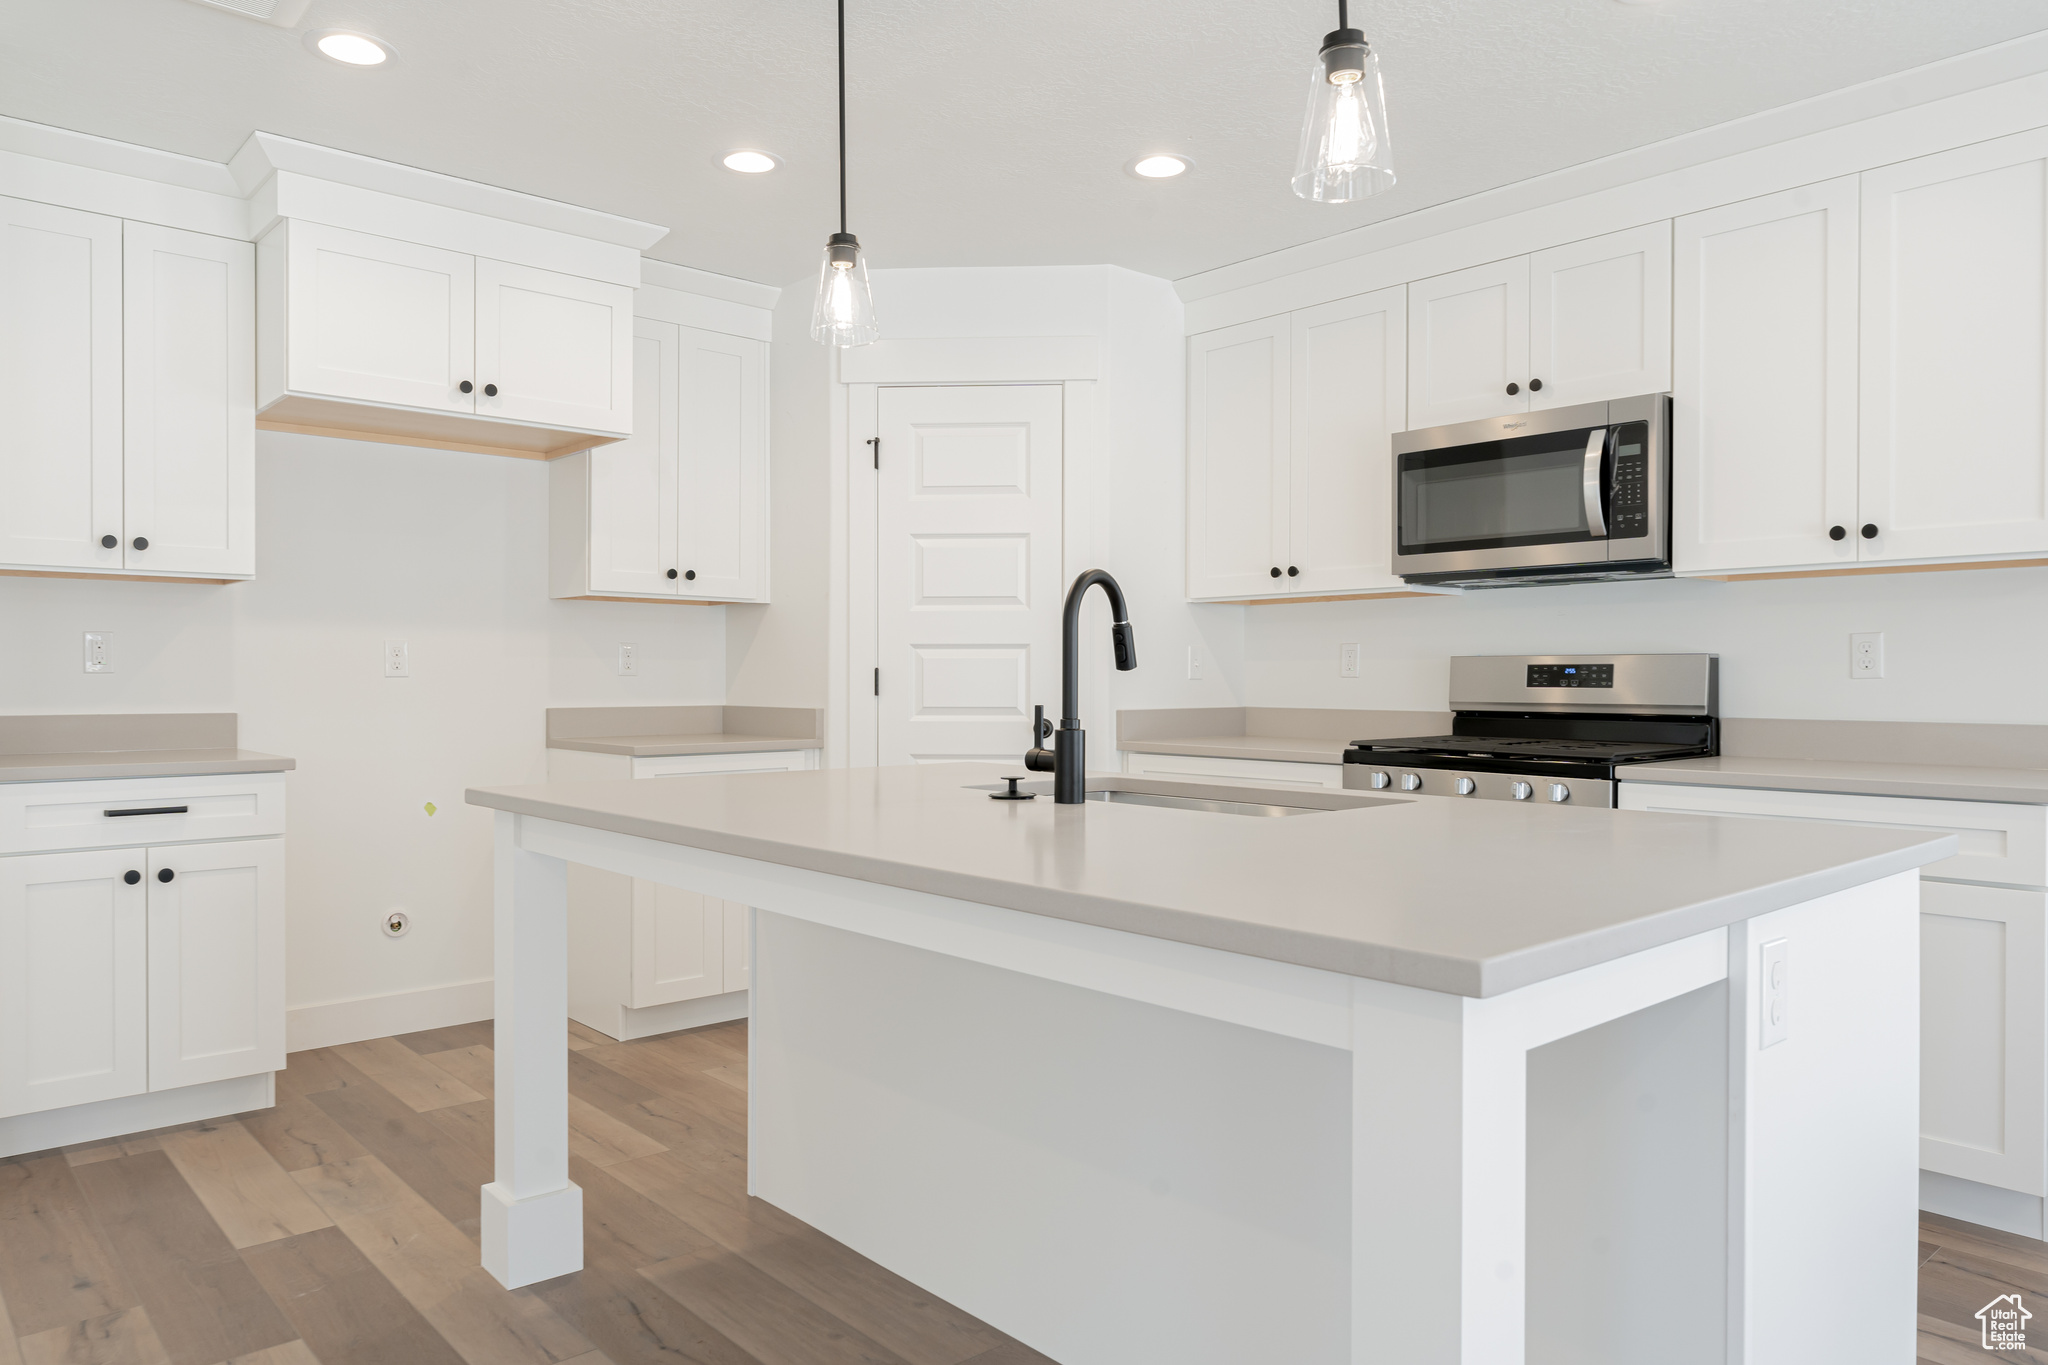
point(1985, 1205)
point(135, 1114)
point(380, 1016)
point(677, 1014)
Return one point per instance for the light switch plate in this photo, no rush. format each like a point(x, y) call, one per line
point(1194, 664)
point(1347, 661)
point(397, 664)
point(1772, 990)
point(99, 652)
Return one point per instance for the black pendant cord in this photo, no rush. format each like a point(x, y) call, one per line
point(1343, 15)
point(842, 113)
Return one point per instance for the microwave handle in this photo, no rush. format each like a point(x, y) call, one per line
point(1590, 481)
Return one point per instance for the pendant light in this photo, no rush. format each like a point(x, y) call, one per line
point(844, 314)
point(1344, 152)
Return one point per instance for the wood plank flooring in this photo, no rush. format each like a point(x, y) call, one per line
point(340, 1228)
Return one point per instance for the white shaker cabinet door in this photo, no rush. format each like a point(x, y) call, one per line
point(1764, 382)
point(678, 945)
point(1600, 318)
point(722, 465)
point(60, 387)
point(1983, 959)
point(558, 349)
point(216, 961)
point(73, 979)
point(378, 320)
point(1350, 385)
point(633, 482)
point(1238, 437)
point(189, 305)
point(1955, 353)
point(1468, 344)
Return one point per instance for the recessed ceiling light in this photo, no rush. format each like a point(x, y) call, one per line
point(1161, 166)
point(350, 49)
point(749, 162)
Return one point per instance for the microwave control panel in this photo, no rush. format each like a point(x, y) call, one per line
point(1629, 507)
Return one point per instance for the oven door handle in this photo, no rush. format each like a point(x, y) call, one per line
point(1590, 482)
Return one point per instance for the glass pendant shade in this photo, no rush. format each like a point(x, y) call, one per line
point(1344, 149)
point(844, 314)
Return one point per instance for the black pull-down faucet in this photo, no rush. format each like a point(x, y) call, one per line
point(1067, 760)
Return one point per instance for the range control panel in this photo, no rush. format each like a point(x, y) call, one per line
point(1571, 675)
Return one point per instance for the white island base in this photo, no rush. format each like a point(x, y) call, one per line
point(1123, 1149)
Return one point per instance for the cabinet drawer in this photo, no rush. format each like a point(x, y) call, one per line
point(1245, 772)
point(38, 817)
point(688, 765)
point(2000, 842)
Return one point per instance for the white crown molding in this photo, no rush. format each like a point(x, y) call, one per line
point(1961, 74)
point(265, 154)
point(116, 158)
point(688, 279)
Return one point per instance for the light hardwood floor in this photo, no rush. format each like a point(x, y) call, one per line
point(339, 1228)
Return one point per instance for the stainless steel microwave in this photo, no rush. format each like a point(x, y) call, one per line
point(1566, 495)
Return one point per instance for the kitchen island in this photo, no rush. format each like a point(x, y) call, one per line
point(1417, 1081)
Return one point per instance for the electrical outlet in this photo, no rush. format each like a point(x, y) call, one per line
point(397, 663)
point(99, 652)
point(1347, 661)
point(1194, 664)
point(1866, 655)
point(1771, 993)
point(629, 661)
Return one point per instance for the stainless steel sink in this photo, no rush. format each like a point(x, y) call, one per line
point(1130, 798)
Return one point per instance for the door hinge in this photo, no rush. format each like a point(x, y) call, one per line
point(876, 442)
point(878, 682)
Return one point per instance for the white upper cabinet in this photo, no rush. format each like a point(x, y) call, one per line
point(1468, 344)
point(1600, 318)
point(633, 505)
point(552, 349)
point(1955, 353)
point(1238, 436)
point(1764, 382)
point(1349, 397)
point(189, 450)
point(60, 388)
point(376, 320)
point(721, 464)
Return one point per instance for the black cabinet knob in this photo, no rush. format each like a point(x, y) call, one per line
point(490, 390)
point(1514, 389)
point(131, 877)
point(1293, 572)
point(1276, 571)
point(1535, 386)
point(1837, 532)
point(690, 574)
point(142, 542)
point(1870, 530)
point(466, 386)
point(165, 874)
point(671, 573)
point(109, 542)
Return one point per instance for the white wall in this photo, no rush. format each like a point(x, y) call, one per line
point(356, 543)
point(1959, 646)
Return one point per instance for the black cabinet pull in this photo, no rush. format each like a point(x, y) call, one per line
point(1837, 532)
point(690, 574)
point(165, 874)
point(671, 573)
point(1870, 530)
point(466, 386)
point(1293, 572)
point(109, 542)
point(1514, 389)
point(490, 390)
point(148, 810)
point(131, 876)
point(142, 542)
point(1535, 386)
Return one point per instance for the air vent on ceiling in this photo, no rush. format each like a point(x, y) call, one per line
point(283, 13)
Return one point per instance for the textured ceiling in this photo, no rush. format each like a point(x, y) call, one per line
point(983, 131)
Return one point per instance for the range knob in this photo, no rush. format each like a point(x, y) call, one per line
point(1381, 781)
point(1411, 782)
point(1560, 792)
point(1521, 791)
point(1466, 786)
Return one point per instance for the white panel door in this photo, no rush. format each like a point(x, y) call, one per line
point(379, 320)
point(1600, 318)
point(557, 348)
point(60, 387)
point(1955, 352)
point(722, 464)
point(189, 468)
point(1764, 382)
point(1983, 1017)
point(633, 482)
point(1350, 397)
point(1468, 344)
point(73, 979)
point(1238, 434)
point(678, 944)
point(216, 961)
point(970, 574)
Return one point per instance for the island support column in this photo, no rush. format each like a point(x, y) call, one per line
point(532, 1214)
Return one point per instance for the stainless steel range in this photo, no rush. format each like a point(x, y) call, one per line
point(1550, 728)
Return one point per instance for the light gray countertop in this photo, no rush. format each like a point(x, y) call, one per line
point(1468, 897)
point(664, 731)
point(2025, 786)
point(661, 746)
point(75, 748)
point(1277, 734)
point(138, 763)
